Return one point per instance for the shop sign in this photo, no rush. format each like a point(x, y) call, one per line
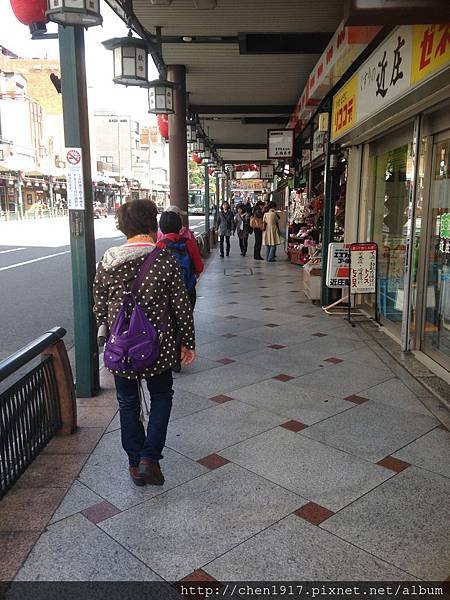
point(431, 50)
point(319, 143)
point(74, 175)
point(338, 265)
point(444, 229)
point(344, 108)
point(407, 57)
point(280, 143)
point(363, 268)
point(266, 171)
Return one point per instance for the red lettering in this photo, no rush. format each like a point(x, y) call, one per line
point(312, 79)
point(341, 38)
point(344, 120)
point(427, 47)
point(329, 56)
point(350, 110)
point(319, 70)
point(445, 39)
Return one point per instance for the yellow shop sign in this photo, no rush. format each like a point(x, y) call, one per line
point(344, 108)
point(431, 50)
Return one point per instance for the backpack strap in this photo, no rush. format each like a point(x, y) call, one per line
point(144, 268)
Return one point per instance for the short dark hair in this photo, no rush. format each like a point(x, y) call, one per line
point(137, 217)
point(272, 204)
point(170, 222)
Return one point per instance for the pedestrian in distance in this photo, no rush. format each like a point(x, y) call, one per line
point(225, 227)
point(248, 205)
point(185, 231)
point(187, 254)
point(257, 224)
point(242, 226)
point(140, 300)
point(271, 233)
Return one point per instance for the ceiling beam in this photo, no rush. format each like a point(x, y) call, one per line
point(239, 146)
point(265, 120)
point(284, 42)
point(238, 109)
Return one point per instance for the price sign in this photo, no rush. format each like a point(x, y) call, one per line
point(338, 265)
point(363, 268)
point(280, 143)
point(75, 184)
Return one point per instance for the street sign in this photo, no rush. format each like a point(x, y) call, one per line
point(280, 143)
point(338, 265)
point(363, 268)
point(75, 184)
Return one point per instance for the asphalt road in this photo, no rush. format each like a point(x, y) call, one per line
point(35, 277)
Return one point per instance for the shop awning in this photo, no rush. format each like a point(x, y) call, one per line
point(246, 62)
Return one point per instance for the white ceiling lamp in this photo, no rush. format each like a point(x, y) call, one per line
point(205, 4)
point(161, 2)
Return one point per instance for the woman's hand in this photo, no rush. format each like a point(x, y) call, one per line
point(187, 356)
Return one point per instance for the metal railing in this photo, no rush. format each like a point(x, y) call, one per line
point(32, 387)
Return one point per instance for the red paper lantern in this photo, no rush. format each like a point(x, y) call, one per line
point(30, 11)
point(196, 158)
point(163, 125)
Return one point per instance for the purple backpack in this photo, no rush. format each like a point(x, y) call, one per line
point(133, 344)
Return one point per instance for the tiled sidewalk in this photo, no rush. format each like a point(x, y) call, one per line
point(294, 452)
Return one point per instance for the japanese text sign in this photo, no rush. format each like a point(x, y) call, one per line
point(338, 265)
point(344, 108)
point(75, 184)
point(363, 268)
point(267, 171)
point(431, 50)
point(409, 55)
point(280, 143)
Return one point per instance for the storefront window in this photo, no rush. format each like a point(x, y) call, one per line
point(393, 171)
point(437, 318)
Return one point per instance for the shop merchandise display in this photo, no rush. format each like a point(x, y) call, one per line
point(305, 217)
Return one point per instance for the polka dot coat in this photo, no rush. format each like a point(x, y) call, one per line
point(162, 288)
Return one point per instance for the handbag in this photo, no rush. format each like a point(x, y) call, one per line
point(133, 344)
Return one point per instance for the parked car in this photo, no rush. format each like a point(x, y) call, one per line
point(100, 211)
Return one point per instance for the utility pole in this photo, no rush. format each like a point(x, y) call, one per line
point(82, 240)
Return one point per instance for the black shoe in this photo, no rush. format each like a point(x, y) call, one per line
point(136, 476)
point(222, 256)
point(150, 472)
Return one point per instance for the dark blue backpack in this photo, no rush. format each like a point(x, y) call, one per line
point(180, 252)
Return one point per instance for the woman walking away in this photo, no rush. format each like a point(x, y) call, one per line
point(139, 295)
point(186, 252)
point(271, 235)
point(225, 226)
point(257, 223)
point(242, 226)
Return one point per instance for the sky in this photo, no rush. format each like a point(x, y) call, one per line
point(103, 93)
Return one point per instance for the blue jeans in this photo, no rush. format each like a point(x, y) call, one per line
point(270, 253)
point(136, 443)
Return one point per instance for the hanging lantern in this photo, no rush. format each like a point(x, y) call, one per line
point(207, 154)
point(29, 12)
point(75, 12)
point(163, 126)
point(130, 60)
point(199, 145)
point(191, 131)
point(160, 97)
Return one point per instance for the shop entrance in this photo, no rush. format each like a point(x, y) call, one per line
point(436, 332)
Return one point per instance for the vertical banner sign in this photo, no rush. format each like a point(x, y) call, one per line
point(363, 268)
point(338, 266)
point(280, 143)
point(75, 184)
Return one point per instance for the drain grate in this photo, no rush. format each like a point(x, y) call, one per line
point(238, 272)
